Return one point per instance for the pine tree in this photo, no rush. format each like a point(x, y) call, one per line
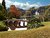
point(4, 11)
point(3, 3)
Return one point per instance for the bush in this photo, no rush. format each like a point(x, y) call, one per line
point(3, 27)
point(35, 23)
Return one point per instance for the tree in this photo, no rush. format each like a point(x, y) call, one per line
point(14, 11)
point(2, 17)
point(0, 7)
point(3, 3)
point(2, 14)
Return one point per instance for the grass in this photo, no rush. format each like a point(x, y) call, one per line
point(42, 32)
point(46, 23)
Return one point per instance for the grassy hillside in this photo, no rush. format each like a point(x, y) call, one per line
point(42, 32)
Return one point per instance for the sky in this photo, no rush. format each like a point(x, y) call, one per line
point(26, 4)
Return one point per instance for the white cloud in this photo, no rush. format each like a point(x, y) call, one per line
point(8, 3)
point(24, 6)
point(0, 1)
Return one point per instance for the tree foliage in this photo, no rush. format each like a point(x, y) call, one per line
point(14, 11)
point(3, 3)
point(2, 13)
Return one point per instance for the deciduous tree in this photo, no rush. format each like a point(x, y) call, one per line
point(14, 11)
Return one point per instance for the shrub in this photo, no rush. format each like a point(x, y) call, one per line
point(35, 23)
point(3, 27)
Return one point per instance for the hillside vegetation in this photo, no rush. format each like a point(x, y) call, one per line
point(42, 32)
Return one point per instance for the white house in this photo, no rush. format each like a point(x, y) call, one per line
point(36, 13)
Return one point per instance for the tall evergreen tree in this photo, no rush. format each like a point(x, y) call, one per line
point(4, 11)
point(3, 3)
